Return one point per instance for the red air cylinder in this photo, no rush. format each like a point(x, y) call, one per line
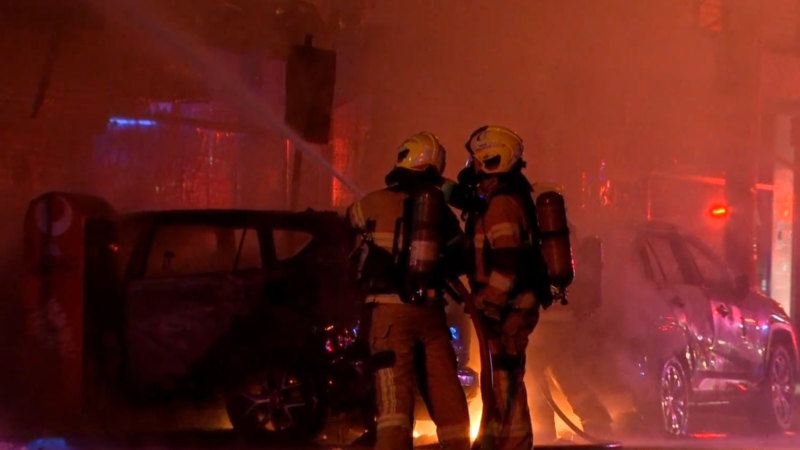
point(426, 235)
point(556, 249)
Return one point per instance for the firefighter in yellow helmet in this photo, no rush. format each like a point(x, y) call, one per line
point(410, 240)
point(508, 278)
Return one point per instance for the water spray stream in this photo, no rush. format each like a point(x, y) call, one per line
point(182, 46)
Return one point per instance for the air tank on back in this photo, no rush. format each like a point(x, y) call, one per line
point(556, 249)
point(427, 208)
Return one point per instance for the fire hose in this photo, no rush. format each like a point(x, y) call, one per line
point(544, 389)
point(461, 294)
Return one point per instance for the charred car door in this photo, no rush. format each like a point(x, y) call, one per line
point(191, 285)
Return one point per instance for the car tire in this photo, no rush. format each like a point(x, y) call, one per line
point(674, 393)
point(280, 401)
point(776, 399)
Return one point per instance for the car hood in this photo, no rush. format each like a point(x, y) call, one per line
point(767, 307)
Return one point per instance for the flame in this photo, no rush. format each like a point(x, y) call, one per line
point(425, 430)
point(562, 429)
point(475, 413)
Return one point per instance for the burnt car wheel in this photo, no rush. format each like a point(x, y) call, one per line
point(674, 390)
point(280, 401)
point(775, 412)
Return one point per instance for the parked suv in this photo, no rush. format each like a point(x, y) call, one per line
point(689, 334)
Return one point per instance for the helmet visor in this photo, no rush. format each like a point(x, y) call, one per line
point(417, 158)
point(403, 154)
point(491, 163)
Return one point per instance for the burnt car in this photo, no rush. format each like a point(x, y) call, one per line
point(256, 304)
point(258, 307)
point(683, 334)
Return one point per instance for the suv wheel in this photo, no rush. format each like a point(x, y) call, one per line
point(775, 412)
point(674, 393)
point(279, 401)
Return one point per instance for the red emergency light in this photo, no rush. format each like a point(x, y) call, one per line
point(719, 211)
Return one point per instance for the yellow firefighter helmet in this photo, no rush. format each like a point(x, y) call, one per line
point(420, 151)
point(495, 149)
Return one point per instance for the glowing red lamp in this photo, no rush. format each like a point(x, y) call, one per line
point(719, 211)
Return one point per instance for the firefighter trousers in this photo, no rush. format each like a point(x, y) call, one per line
point(508, 426)
point(399, 328)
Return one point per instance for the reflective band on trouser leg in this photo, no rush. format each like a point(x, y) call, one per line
point(394, 420)
point(394, 433)
point(387, 393)
point(394, 428)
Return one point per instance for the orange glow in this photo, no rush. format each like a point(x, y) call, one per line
point(709, 435)
point(425, 430)
point(475, 413)
point(719, 211)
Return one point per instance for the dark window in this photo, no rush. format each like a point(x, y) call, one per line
point(249, 249)
point(192, 249)
point(651, 269)
point(665, 264)
point(712, 270)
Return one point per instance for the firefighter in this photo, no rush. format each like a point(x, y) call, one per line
point(408, 233)
point(508, 279)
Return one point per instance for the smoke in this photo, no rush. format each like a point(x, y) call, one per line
point(602, 91)
point(578, 81)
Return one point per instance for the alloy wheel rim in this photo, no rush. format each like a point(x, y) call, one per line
point(278, 401)
point(781, 388)
point(674, 400)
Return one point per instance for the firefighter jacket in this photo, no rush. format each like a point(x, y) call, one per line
point(505, 242)
point(381, 216)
